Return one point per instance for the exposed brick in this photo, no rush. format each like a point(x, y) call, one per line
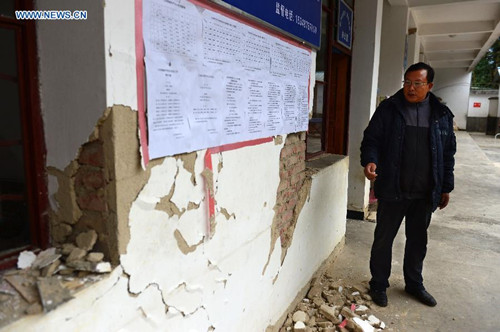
point(89, 178)
point(299, 148)
point(287, 217)
point(280, 208)
point(283, 185)
point(290, 205)
point(92, 153)
point(292, 138)
point(93, 201)
point(297, 178)
point(288, 194)
point(286, 151)
point(291, 161)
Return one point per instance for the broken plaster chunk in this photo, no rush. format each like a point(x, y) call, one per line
point(348, 313)
point(25, 259)
point(95, 257)
point(103, 267)
point(80, 265)
point(67, 248)
point(45, 258)
point(300, 316)
point(75, 255)
point(314, 292)
point(52, 293)
point(361, 309)
point(86, 240)
point(374, 321)
point(61, 231)
point(24, 285)
point(329, 313)
point(365, 326)
point(51, 269)
point(299, 327)
point(65, 271)
point(34, 309)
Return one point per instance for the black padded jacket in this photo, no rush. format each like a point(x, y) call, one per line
point(383, 142)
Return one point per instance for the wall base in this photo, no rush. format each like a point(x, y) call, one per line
point(477, 124)
point(302, 293)
point(358, 215)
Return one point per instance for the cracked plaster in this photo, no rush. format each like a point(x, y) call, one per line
point(212, 272)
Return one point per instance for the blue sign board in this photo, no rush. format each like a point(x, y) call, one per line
point(299, 18)
point(344, 25)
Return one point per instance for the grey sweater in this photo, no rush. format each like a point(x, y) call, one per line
point(416, 176)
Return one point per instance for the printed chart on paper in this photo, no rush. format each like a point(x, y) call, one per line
point(212, 80)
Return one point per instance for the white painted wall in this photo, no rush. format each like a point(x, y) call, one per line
point(223, 283)
point(483, 110)
point(453, 86)
point(364, 79)
point(119, 40)
point(392, 49)
point(72, 77)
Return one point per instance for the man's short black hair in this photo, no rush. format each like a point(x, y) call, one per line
point(419, 66)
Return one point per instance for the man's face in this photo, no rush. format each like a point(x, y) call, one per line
point(415, 94)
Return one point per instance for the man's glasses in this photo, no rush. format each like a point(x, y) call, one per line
point(408, 83)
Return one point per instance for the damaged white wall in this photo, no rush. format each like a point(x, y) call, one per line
point(172, 277)
point(220, 282)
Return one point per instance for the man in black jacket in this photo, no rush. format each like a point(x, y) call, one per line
point(408, 149)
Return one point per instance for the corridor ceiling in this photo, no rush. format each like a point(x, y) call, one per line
point(454, 33)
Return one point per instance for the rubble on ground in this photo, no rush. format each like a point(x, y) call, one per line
point(47, 279)
point(331, 306)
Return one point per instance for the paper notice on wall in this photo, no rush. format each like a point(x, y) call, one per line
point(212, 80)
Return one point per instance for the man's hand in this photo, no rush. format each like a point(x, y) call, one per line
point(445, 198)
point(370, 171)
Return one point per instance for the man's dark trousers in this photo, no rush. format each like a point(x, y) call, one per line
point(389, 217)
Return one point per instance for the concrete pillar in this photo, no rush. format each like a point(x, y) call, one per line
point(413, 49)
point(364, 78)
point(392, 48)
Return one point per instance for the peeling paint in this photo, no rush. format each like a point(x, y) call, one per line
point(188, 161)
point(209, 180)
point(165, 204)
point(220, 164)
point(183, 245)
point(193, 206)
point(226, 214)
point(278, 140)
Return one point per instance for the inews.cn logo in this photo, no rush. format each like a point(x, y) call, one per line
point(51, 15)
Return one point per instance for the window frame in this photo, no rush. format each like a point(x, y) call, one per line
point(32, 133)
point(334, 127)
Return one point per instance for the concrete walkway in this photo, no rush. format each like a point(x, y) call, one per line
point(462, 268)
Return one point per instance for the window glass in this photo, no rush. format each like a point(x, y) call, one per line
point(8, 63)
point(7, 8)
point(10, 125)
point(315, 131)
point(14, 218)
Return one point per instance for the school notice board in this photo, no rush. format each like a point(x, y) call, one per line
point(213, 80)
